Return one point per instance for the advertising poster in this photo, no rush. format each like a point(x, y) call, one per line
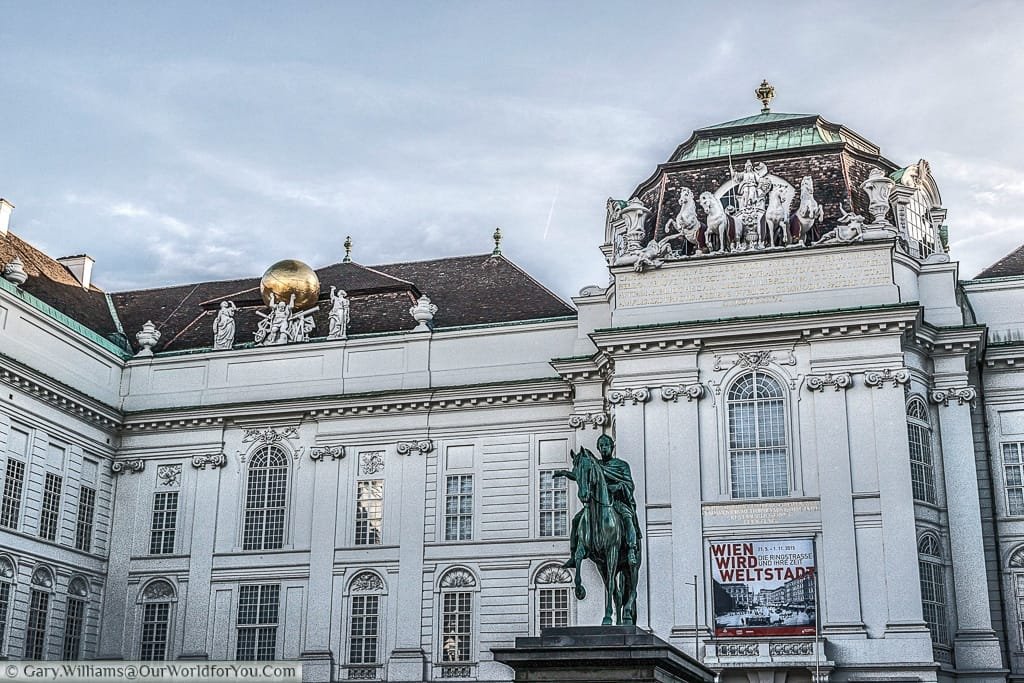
point(764, 588)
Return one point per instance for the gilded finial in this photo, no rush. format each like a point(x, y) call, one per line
point(348, 250)
point(497, 242)
point(765, 93)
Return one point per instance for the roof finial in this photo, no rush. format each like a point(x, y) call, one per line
point(765, 93)
point(497, 242)
point(348, 250)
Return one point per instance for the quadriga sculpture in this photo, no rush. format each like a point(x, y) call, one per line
point(686, 225)
point(724, 231)
point(807, 214)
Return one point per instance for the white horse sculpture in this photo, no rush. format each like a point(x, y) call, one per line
point(685, 224)
point(724, 228)
point(776, 216)
point(806, 215)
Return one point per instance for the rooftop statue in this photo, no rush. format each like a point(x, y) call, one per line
point(339, 315)
point(606, 529)
point(224, 326)
point(282, 325)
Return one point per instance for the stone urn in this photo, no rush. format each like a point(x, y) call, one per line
point(423, 312)
point(878, 187)
point(14, 272)
point(147, 337)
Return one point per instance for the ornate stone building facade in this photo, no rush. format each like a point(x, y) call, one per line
point(824, 422)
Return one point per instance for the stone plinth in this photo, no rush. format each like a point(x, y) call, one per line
point(599, 654)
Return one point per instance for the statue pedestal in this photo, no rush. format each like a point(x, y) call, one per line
point(600, 654)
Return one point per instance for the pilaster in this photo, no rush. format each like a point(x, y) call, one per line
point(317, 654)
point(198, 608)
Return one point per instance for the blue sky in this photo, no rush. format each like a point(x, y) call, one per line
point(181, 141)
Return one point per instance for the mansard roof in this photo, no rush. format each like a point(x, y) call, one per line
point(1010, 265)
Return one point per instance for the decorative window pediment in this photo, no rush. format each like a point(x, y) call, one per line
point(367, 582)
point(42, 577)
point(78, 587)
point(458, 578)
point(158, 591)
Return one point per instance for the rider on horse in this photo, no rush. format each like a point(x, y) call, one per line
point(620, 486)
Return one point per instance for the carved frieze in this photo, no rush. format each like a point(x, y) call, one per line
point(371, 463)
point(169, 475)
point(211, 460)
point(672, 392)
point(836, 380)
point(367, 582)
point(423, 446)
point(752, 360)
point(269, 435)
point(332, 452)
point(638, 395)
point(582, 420)
point(962, 395)
point(879, 378)
point(123, 466)
point(737, 649)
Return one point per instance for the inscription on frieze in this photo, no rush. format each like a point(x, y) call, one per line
point(754, 281)
point(759, 514)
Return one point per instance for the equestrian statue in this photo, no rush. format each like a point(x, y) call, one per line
point(606, 529)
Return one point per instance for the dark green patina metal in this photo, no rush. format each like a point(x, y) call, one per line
point(606, 530)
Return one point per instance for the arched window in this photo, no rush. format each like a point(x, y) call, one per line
point(265, 500)
point(457, 588)
point(933, 587)
point(74, 618)
point(758, 451)
point(553, 585)
point(364, 623)
point(157, 599)
point(7, 574)
point(922, 464)
point(38, 611)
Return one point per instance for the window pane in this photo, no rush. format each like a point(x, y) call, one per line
point(758, 447)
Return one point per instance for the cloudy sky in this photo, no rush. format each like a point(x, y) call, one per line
point(179, 141)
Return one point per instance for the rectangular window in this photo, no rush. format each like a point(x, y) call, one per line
point(5, 607)
point(933, 600)
point(14, 482)
point(156, 619)
point(456, 627)
point(1013, 472)
point(458, 508)
point(553, 607)
point(554, 504)
point(49, 513)
point(165, 522)
point(257, 622)
point(365, 627)
point(73, 623)
point(369, 512)
point(83, 526)
point(35, 631)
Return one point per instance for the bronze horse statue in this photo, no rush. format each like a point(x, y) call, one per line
point(603, 539)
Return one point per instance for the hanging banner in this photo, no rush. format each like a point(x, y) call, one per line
point(764, 588)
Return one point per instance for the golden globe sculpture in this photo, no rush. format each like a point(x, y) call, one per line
point(288, 277)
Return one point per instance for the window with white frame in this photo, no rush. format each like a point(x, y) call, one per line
point(83, 523)
point(14, 484)
point(364, 627)
point(369, 512)
point(7, 574)
point(554, 504)
point(457, 588)
point(165, 523)
point(157, 598)
point(922, 463)
point(1013, 477)
point(38, 612)
point(49, 512)
point(266, 497)
point(258, 607)
point(758, 449)
point(933, 587)
point(553, 586)
point(74, 618)
point(458, 507)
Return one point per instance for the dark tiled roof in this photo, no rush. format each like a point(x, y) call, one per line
point(470, 290)
point(52, 283)
point(1011, 264)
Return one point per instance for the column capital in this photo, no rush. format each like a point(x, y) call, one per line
point(637, 395)
point(211, 460)
point(422, 446)
point(581, 420)
point(123, 466)
point(692, 392)
point(321, 452)
point(879, 378)
point(962, 395)
point(836, 380)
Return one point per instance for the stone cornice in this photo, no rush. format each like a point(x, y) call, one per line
point(962, 339)
point(583, 368)
point(1005, 356)
point(379, 403)
point(58, 395)
point(671, 337)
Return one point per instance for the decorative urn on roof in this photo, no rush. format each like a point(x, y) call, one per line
point(423, 313)
point(288, 277)
point(15, 272)
point(147, 337)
